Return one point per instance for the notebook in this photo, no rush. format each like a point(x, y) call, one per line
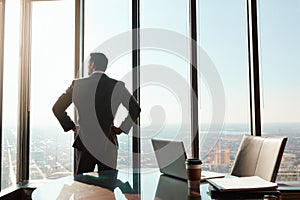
point(171, 156)
point(242, 183)
point(252, 187)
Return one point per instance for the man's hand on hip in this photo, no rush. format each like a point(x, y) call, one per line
point(75, 129)
point(117, 130)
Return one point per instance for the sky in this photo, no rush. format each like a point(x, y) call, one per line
point(52, 60)
point(222, 35)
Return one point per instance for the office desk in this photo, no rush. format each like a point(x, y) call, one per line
point(119, 185)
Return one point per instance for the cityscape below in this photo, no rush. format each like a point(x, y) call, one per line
point(51, 152)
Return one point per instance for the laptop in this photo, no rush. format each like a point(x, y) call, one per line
point(171, 156)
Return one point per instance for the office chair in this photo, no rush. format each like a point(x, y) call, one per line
point(259, 156)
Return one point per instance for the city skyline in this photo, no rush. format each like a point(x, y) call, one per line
point(50, 160)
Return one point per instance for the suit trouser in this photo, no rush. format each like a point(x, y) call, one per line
point(86, 162)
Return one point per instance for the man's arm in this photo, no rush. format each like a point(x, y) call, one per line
point(59, 109)
point(130, 103)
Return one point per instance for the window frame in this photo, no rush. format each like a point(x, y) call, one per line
point(2, 23)
point(24, 86)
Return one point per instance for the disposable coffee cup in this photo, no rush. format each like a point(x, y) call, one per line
point(193, 171)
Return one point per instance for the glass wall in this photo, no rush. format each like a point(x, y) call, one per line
point(10, 92)
point(224, 111)
point(52, 72)
point(280, 83)
point(223, 78)
point(164, 54)
point(106, 29)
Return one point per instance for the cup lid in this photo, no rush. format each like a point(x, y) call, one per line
point(193, 161)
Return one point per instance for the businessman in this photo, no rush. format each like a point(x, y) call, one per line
point(96, 99)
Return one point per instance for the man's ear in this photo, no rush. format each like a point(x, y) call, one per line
point(93, 66)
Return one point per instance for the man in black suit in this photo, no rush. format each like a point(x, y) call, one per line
point(97, 99)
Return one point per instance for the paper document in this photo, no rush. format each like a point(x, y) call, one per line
point(209, 175)
point(242, 183)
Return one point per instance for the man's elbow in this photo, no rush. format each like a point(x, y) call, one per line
point(136, 113)
point(134, 109)
point(56, 110)
point(139, 110)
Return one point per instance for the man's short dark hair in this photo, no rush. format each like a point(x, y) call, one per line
point(100, 61)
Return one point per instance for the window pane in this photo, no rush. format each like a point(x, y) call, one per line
point(10, 92)
point(106, 29)
point(279, 41)
point(52, 71)
point(222, 36)
point(165, 89)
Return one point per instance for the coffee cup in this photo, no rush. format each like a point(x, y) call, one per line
point(193, 170)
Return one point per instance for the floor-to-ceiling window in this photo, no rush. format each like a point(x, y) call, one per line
point(165, 88)
point(10, 93)
point(280, 85)
point(224, 115)
point(165, 85)
point(107, 26)
point(52, 72)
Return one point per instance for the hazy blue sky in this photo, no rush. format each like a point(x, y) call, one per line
point(280, 62)
point(222, 34)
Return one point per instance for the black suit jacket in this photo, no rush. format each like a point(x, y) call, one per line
point(109, 95)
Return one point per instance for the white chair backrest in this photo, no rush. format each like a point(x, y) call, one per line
point(259, 156)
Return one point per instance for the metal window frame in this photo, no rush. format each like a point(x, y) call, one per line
point(79, 51)
point(2, 23)
point(23, 143)
point(194, 78)
point(136, 141)
point(79, 38)
point(24, 93)
point(253, 61)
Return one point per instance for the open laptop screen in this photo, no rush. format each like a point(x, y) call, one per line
point(170, 156)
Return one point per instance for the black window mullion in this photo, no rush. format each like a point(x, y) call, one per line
point(136, 147)
point(253, 58)
point(194, 79)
